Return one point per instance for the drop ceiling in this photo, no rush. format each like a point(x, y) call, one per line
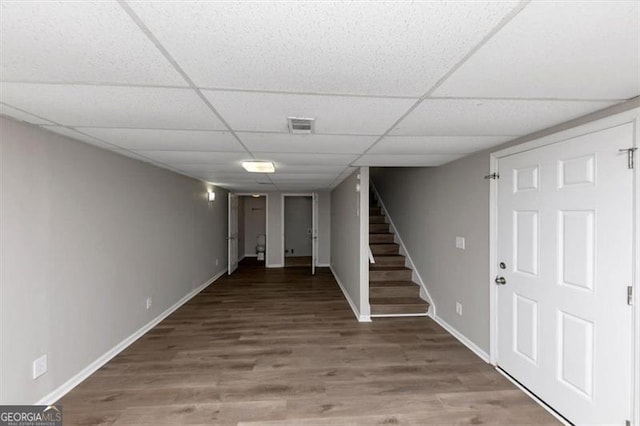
point(198, 87)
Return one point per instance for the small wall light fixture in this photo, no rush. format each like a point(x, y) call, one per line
point(211, 196)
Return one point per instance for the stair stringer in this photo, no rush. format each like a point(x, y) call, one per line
point(415, 275)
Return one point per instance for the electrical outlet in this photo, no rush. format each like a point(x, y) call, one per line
point(149, 302)
point(40, 366)
point(459, 308)
point(460, 243)
point(217, 262)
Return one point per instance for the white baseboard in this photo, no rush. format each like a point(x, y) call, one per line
point(398, 315)
point(74, 381)
point(323, 265)
point(468, 343)
point(354, 308)
point(275, 265)
point(250, 255)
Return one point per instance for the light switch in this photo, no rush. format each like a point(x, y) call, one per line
point(460, 243)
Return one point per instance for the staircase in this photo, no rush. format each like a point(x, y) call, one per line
point(391, 290)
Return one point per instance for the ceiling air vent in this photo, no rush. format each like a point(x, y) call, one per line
point(301, 125)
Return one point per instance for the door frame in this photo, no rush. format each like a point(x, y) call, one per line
point(266, 217)
point(313, 212)
point(630, 116)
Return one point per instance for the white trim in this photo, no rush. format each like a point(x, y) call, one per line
point(274, 265)
point(363, 204)
point(468, 343)
point(415, 275)
point(83, 374)
point(354, 308)
point(635, 395)
point(535, 398)
point(625, 117)
point(266, 220)
point(323, 265)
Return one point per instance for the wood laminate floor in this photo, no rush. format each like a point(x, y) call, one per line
point(280, 347)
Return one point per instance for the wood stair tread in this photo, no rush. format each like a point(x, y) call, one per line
point(375, 267)
point(397, 301)
point(392, 284)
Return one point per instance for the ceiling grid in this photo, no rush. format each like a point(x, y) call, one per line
point(198, 87)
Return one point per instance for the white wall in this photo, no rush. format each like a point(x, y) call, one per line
point(432, 206)
point(275, 249)
point(350, 240)
point(254, 223)
point(86, 236)
point(298, 213)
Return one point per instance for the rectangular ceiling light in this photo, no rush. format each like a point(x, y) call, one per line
point(259, 166)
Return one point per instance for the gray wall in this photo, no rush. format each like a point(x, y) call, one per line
point(432, 206)
point(349, 253)
point(254, 223)
point(86, 236)
point(297, 222)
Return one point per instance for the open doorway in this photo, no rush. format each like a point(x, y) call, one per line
point(247, 230)
point(299, 230)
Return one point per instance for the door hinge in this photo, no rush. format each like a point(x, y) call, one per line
point(493, 176)
point(627, 423)
point(629, 295)
point(631, 153)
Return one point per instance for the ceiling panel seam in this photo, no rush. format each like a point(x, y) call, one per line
point(499, 26)
point(156, 42)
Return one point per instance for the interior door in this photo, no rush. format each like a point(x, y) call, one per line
point(232, 233)
point(314, 233)
point(565, 251)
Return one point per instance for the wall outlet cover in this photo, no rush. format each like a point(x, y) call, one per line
point(149, 302)
point(40, 366)
point(460, 243)
point(459, 308)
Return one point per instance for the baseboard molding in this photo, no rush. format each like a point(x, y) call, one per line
point(74, 381)
point(323, 265)
point(354, 308)
point(275, 265)
point(468, 343)
point(405, 253)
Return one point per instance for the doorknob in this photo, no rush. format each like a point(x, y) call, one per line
point(500, 280)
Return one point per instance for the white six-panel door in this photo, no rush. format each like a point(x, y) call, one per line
point(565, 239)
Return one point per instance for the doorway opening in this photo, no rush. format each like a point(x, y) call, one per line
point(247, 229)
point(299, 230)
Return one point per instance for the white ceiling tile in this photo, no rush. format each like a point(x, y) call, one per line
point(401, 47)
point(87, 41)
point(289, 168)
point(333, 114)
point(306, 159)
point(196, 157)
point(576, 49)
point(108, 106)
point(436, 144)
point(421, 160)
point(73, 134)
point(490, 117)
point(284, 142)
point(205, 168)
point(300, 177)
point(21, 115)
point(159, 139)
